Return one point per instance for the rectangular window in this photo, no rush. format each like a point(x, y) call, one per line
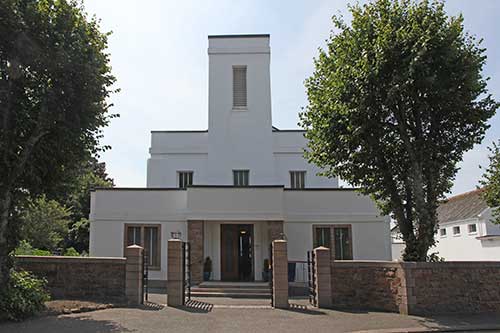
point(239, 87)
point(338, 238)
point(185, 178)
point(472, 228)
point(341, 242)
point(147, 236)
point(456, 230)
point(297, 179)
point(322, 237)
point(442, 232)
point(240, 177)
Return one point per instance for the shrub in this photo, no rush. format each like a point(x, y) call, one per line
point(71, 252)
point(25, 248)
point(24, 296)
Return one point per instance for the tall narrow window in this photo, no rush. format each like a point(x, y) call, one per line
point(342, 246)
point(297, 179)
point(185, 178)
point(322, 237)
point(147, 236)
point(239, 87)
point(240, 177)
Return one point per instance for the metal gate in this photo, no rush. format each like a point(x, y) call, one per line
point(186, 271)
point(271, 273)
point(311, 277)
point(145, 273)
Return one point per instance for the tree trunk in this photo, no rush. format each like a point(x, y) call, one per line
point(5, 244)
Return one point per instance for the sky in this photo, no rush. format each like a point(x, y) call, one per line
point(158, 51)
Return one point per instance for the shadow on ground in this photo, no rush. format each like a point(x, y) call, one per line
point(52, 324)
point(196, 307)
point(477, 321)
point(304, 309)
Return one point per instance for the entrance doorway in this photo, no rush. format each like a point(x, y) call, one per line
point(236, 252)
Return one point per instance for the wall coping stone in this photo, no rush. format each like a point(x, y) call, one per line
point(70, 259)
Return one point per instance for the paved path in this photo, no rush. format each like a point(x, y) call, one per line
point(228, 316)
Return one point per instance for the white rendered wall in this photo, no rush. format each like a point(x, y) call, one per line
point(466, 247)
point(369, 239)
point(239, 139)
point(236, 139)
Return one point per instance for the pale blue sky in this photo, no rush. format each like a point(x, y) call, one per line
point(159, 56)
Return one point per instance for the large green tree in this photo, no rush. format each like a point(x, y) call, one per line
point(491, 181)
point(45, 223)
point(55, 79)
point(395, 100)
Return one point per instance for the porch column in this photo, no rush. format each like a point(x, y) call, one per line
point(195, 239)
point(280, 274)
point(275, 229)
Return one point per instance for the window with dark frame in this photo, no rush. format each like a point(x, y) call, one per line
point(241, 177)
point(456, 230)
point(442, 232)
point(147, 236)
point(297, 179)
point(472, 228)
point(239, 87)
point(338, 238)
point(185, 178)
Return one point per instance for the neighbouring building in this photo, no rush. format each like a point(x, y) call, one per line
point(465, 231)
point(230, 190)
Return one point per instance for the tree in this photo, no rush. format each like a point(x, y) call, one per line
point(491, 181)
point(395, 100)
point(55, 79)
point(77, 197)
point(45, 223)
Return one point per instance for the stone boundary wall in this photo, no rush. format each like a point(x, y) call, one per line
point(79, 277)
point(416, 288)
point(368, 285)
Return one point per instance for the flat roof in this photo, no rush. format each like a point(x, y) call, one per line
point(223, 186)
point(240, 36)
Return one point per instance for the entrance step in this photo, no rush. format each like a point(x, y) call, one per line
point(232, 290)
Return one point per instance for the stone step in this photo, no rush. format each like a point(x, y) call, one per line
point(230, 294)
point(234, 285)
point(231, 290)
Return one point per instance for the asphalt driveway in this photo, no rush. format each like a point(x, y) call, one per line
point(226, 316)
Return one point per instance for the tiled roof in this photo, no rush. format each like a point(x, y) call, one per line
point(461, 207)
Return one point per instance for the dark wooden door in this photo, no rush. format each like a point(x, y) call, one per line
point(229, 252)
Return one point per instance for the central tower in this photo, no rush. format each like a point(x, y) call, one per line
point(239, 109)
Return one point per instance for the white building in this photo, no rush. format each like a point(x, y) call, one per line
point(231, 189)
point(465, 231)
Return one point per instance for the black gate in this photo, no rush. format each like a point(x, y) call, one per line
point(145, 272)
point(186, 271)
point(271, 273)
point(311, 277)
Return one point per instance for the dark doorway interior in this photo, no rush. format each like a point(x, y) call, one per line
point(236, 252)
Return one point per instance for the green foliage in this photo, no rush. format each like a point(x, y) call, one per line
point(395, 100)
point(25, 248)
point(24, 296)
point(71, 252)
point(45, 223)
point(434, 257)
point(491, 181)
point(55, 80)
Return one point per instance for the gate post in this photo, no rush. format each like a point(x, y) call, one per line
point(133, 275)
point(175, 278)
point(323, 277)
point(280, 274)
